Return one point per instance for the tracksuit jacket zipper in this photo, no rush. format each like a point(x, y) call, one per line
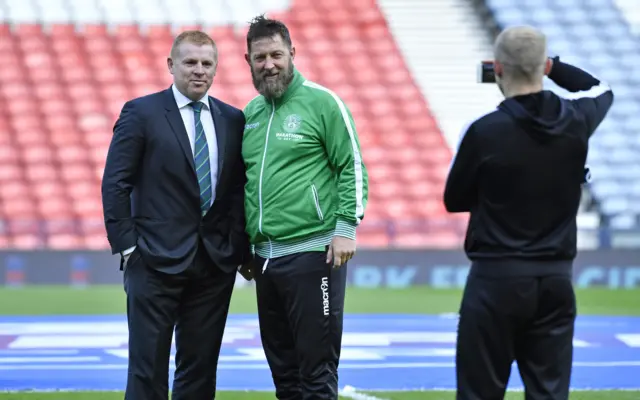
point(264, 157)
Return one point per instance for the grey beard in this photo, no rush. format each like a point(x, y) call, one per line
point(272, 90)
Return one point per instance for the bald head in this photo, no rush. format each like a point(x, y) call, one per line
point(522, 52)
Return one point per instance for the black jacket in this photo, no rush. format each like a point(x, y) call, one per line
point(519, 172)
point(150, 191)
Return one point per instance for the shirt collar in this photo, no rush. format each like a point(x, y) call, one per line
point(184, 101)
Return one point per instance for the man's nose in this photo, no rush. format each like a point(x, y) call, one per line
point(269, 64)
point(199, 69)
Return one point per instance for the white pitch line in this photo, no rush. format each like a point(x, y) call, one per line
point(27, 360)
point(510, 389)
point(270, 390)
point(353, 393)
point(39, 352)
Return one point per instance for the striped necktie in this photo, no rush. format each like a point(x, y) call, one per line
point(201, 158)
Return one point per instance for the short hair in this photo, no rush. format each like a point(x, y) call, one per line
point(195, 37)
point(262, 27)
point(522, 50)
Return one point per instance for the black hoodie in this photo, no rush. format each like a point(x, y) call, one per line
point(519, 171)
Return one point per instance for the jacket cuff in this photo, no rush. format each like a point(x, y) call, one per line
point(345, 229)
point(128, 251)
point(122, 243)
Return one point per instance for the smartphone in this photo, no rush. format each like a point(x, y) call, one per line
point(486, 74)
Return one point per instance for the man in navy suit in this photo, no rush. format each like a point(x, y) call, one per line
point(173, 203)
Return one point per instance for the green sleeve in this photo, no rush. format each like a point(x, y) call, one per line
point(343, 149)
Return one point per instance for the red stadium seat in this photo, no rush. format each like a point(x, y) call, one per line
point(60, 225)
point(41, 154)
point(63, 31)
point(48, 190)
point(8, 154)
point(52, 154)
point(37, 173)
point(65, 241)
point(9, 172)
point(95, 241)
point(56, 207)
point(27, 241)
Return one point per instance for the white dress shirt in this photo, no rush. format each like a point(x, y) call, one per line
point(206, 119)
point(209, 131)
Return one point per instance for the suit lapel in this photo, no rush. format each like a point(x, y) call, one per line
point(177, 125)
point(220, 124)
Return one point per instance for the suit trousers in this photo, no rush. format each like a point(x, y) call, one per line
point(300, 309)
point(529, 320)
point(195, 303)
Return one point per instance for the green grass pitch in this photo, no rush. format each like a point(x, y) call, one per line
point(48, 300)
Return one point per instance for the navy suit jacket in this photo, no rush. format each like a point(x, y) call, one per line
point(150, 192)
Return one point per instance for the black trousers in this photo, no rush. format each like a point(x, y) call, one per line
point(300, 309)
point(529, 320)
point(196, 303)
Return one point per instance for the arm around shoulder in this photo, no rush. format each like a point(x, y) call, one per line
point(121, 166)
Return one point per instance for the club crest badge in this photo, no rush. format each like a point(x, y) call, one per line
point(292, 123)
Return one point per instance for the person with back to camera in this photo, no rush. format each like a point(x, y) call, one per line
point(519, 172)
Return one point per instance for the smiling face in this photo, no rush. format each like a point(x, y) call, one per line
point(193, 67)
point(271, 62)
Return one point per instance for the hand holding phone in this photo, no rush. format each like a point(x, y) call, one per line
point(486, 73)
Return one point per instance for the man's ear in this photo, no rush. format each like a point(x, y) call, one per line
point(170, 65)
point(547, 66)
point(293, 52)
point(246, 58)
point(497, 68)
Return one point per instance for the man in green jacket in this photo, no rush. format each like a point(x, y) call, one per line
point(306, 192)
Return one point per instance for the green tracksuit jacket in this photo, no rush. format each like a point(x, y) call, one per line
point(306, 180)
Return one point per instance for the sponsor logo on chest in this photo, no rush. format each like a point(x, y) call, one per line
point(291, 128)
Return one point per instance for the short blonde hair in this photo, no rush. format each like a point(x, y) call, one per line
point(522, 50)
point(195, 37)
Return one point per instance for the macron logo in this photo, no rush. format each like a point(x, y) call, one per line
point(324, 287)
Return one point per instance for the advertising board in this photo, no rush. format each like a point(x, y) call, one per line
point(615, 269)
